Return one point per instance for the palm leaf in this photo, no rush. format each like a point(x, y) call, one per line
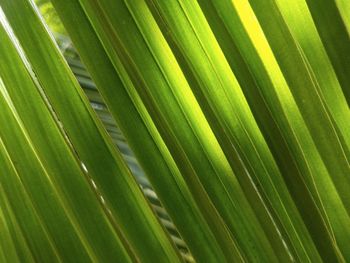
point(236, 111)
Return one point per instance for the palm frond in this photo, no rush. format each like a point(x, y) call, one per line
point(212, 129)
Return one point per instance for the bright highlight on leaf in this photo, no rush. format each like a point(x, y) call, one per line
point(237, 112)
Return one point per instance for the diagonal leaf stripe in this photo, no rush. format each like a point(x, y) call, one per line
point(54, 162)
point(162, 171)
point(167, 102)
point(12, 240)
point(235, 135)
point(242, 32)
point(236, 110)
point(331, 25)
point(105, 162)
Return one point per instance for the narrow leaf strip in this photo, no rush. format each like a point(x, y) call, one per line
point(335, 35)
point(249, 55)
point(143, 138)
point(61, 229)
point(104, 165)
point(160, 83)
point(55, 156)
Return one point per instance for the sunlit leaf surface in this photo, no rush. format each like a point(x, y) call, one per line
point(175, 131)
